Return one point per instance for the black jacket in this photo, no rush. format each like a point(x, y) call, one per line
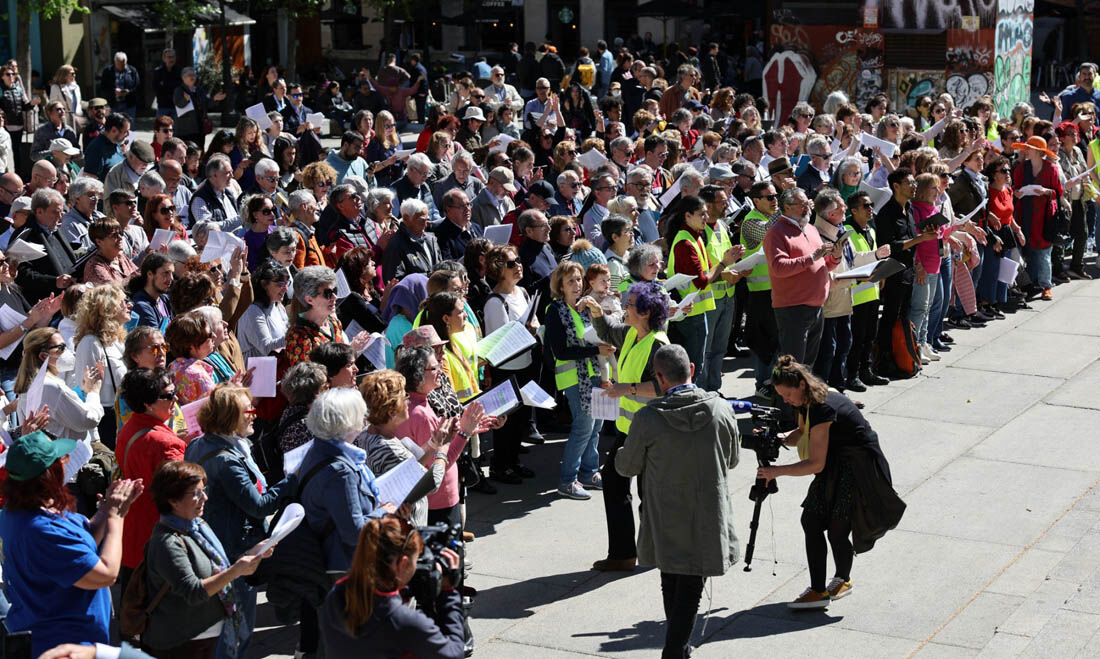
point(128, 80)
point(553, 69)
point(38, 278)
point(406, 255)
point(893, 226)
point(876, 507)
point(165, 82)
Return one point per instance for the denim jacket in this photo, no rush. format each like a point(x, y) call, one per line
point(343, 492)
point(236, 508)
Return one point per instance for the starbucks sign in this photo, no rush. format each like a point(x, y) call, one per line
point(565, 15)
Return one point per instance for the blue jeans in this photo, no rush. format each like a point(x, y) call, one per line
point(225, 649)
point(1038, 266)
point(939, 303)
point(836, 341)
point(691, 333)
point(986, 285)
point(920, 304)
point(7, 383)
point(719, 324)
point(581, 456)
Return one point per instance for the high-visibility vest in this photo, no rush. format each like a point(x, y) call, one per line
point(705, 300)
point(1091, 191)
point(632, 361)
point(626, 283)
point(866, 291)
point(718, 241)
point(758, 279)
point(565, 371)
point(463, 375)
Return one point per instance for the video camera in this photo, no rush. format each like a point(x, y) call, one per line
point(427, 581)
point(764, 440)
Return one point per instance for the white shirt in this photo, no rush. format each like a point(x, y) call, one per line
point(496, 315)
point(260, 331)
point(70, 417)
point(88, 352)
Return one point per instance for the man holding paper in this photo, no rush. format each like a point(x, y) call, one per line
point(51, 273)
point(760, 330)
point(346, 161)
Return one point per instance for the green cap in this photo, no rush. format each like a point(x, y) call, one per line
point(32, 454)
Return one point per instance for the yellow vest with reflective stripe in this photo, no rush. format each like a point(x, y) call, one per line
point(718, 241)
point(758, 279)
point(705, 301)
point(565, 371)
point(1091, 191)
point(632, 361)
point(463, 375)
point(866, 291)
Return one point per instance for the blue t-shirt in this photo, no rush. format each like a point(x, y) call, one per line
point(397, 329)
point(44, 556)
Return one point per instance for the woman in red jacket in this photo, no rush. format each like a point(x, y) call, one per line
point(1035, 206)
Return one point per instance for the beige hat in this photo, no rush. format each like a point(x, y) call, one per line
point(504, 176)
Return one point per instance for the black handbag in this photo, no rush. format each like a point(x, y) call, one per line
point(1056, 229)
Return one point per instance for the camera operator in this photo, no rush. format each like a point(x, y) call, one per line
point(851, 479)
point(365, 614)
point(682, 445)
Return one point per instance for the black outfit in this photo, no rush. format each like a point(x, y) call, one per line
point(14, 102)
point(38, 278)
point(894, 225)
point(191, 126)
point(712, 76)
point(13, 297)
point(528, 71)
point(407, 254)
point(864, 326)
point(553, 69)
point(681, 594)
point(165, 81)
point(128, 80)
point(842, 495)
point(48, 132)
point(453, 238)
point(357, 308)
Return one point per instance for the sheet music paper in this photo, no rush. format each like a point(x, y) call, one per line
point(258, 113)
point(507, 341)
point(394, 485)
point(191, 416)
point(499, 400)
point(292, 459)
point(34, 392)
point(78, 457)
point(499, 234)
point(749, 262)
point(603, 406)
point(263, 376)
point(342, 288)
point(9, 318)
point(678, 280)
point(534, 396)
point(871, 142)
point(161, 237)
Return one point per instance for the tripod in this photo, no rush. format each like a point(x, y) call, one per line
point(758, 492)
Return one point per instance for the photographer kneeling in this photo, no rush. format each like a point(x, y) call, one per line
point(365, 614)
point(851, 483)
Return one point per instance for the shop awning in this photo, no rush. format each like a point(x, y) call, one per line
point(146, 17)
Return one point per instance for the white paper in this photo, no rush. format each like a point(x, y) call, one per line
point(503, 141)
point(78, 457)
point(191, 416)
point(161, 237)
point(292, 459)
point(1030, 190)
point(533, 395)
point(353, 329)
point(670, 194)
point(862, 272)
point(292, 516)
point(499, 234)
point(678, 280)
point(23, 251)
point(604, 407)
point(508, 340)
point(220, 245)
point(34, 391)
point(837, 150)
point(394, 485)
point(263, 376)
point(871, 142)
point(9, 318)
point(180, 111)
point(316, 119)
point(375, 350)
point(1080, 177)
point(413, 447)
point(342, 288)
point(258, 113)
point(404, 153)
point(499, 400)
point(879, 196)
point(973, 212)
point(591, 159)
point(749, 262)
point(1007, 275)
point(680, 310)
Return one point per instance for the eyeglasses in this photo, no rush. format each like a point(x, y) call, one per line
point(168, 395)
point(572, 152)
point(200, 493)
point(157, 349)
point(130, 202)
point(893, 124)
point(167, 210)
point(323, 184)
point(329, 293)
point(543, 88)
point(267, 210)
point(54, 348)
point(511, 263)
point(271, 179)
point(576, 185)
point(867, 205)
point(160, 130)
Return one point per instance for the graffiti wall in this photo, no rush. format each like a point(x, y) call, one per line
point(905, 86)
point(969, 65)
point(935, 14)
point(1012, 64)
point(846, 59)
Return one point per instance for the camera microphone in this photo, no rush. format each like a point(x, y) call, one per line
point(740, 406)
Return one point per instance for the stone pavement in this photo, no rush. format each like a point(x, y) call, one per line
point(998, 554)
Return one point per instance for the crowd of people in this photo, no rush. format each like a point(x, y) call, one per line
point(661, 220)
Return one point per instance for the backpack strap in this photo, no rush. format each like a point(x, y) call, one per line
point(129, 445)
point(206, 458)
point(313, 472)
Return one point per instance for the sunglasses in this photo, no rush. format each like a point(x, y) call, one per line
point(158, 349)
point(329, 293)
point(130, 202)
point(867, 205)
point(168, 395)
point(296, 96)
point(167, 210)
point(511, 263)
point(267, 210)
point(60, 346)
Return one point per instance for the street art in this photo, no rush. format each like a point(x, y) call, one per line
point(1012, 66)
point(846, 59)
point(966, 58)
point(935, 14)
point(907, 85)
point(967, 89)
point(788, 79)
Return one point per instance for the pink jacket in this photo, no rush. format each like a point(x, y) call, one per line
point(421, 424)
point(797, 279)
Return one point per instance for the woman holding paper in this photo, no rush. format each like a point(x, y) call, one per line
point(101, 321)
point(109, 263)
point(191, 575)
point(261, 331)
point(11, 339)
point(239, 498)
point(1073, 165)
point(1034, 212)
point(71, 416)
point(160, 213)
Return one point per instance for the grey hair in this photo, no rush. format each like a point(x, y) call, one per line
point(638, 256)
point(265, 166)
point(833, 102)
point(412, 363)
point(565, 175)
point(638, 172)
point(83, 185)
point(202, 230)
point(622, 205)
point(180, 251)
point(802, 108)
point(848, 163)
point(816, 145)
point(187, 70)
point(300, 198)
point(411, 207)
point(787, 197)
point(671, 361)
point(621, 143)
point(375, 198)
point(43, 197)
point(357, 182)
point(310, 279)
point(527, 218)
point(419, 160)
point(690, 177)
point(337, 414)
point(826, 200)
point(462, 156)
point(340, 192)
point(303, 382)
point(724, 150)
point(212, 314)
point(218, 162)
point(279, 238)
point(274, 114)
point(151, 179)
point(680, 114)
point(120, 57)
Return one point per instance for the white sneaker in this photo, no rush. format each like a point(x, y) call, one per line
point(931, 353)
point(924, 360)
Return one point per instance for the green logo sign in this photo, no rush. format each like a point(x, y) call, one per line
point(565, 15)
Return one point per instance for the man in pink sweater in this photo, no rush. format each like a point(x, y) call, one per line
point(798, 265)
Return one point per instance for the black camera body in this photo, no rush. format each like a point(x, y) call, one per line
point(427, 582)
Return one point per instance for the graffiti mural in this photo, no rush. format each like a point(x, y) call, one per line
point(966, 89)
point(1012, 66)
point(935, 14)
point(846, 59)
point(788, 78)
point(907, 85)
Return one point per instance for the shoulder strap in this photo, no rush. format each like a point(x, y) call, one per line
point(206, 458)
point(129, 445)
point(313, 472)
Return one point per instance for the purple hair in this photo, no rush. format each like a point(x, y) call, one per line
point(650, 297)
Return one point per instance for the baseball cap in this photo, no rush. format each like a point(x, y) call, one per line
point(720, 173)
point(64, 146)
point(143, 150)
point(31, 455)
point(694, 105)
point(541, 188)
point(422, 336)
point(20, 204)
point(97, 102)
point(504, 175)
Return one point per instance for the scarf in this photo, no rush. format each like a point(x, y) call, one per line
point(204, 537)
point(222, 369)
point(407, 294)
point(584, 383)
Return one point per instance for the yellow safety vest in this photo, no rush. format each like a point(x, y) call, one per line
point(1091, 191)
point(626, 283)
point(758, 279)
point(565, 371)
point(632, 361)
point(718, 241)
point(705, 301)
point(463, 375)
point(867, 291)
